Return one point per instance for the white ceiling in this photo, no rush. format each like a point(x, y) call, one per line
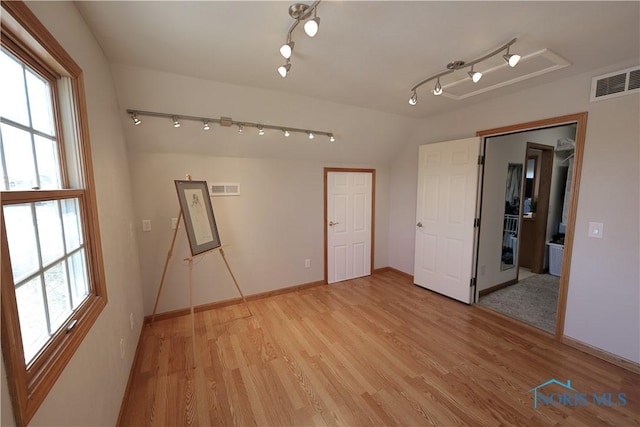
point(366, 54)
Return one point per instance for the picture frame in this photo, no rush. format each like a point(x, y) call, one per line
point(199, 219)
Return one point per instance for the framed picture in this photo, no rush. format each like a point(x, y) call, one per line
point(197, 212)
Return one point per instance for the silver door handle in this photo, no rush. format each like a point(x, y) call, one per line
point(331, 223)
point(419, 225)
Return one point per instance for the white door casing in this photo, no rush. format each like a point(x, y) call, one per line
point(446, 209)
point(349, 224)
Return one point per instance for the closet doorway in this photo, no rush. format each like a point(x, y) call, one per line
point(530, 183)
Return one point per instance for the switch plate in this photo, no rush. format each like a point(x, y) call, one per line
point(174, 223)
point(146, 225)
point(596, 230)
point(307, 263)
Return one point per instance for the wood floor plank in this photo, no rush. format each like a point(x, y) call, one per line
point(376, 350)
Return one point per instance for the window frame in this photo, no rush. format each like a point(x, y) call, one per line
point(27, 38)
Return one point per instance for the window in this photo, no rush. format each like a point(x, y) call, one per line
point(52, 276)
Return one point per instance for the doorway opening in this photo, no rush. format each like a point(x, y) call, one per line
point(530, 182)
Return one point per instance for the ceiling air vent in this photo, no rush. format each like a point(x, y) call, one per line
point(225, 189)
point(614, 84)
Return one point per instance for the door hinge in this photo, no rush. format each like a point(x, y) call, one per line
point(481, 159)
point(473, 282)
point(476, 222)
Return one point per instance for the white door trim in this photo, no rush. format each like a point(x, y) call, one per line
point(327, 219)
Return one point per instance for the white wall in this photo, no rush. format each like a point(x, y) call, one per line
point(268, 231)
point(277, 221)
point(604, 303)
point(90, 389)
point(363, 136)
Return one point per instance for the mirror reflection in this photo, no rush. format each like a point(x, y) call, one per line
point(509, 258)
point(529, 206)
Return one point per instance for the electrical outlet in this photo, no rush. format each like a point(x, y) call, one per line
point(131, 321)
point(307, 263)
point(122, 348)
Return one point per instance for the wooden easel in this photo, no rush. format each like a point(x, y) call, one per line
point(190, 265)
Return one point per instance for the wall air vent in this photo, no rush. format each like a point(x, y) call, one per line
point(624, 82)
point(225, 189)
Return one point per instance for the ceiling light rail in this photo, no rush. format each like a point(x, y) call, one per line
point(511, 59)
point(226, 122)
point(299, 12)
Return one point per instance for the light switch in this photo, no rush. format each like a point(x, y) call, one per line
point(146, 225)
point(174, 223)
point(596, 229)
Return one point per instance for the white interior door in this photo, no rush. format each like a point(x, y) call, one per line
point(349, 223)
point(445, 233)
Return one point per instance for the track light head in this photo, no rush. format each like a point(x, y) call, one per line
point(512, 59)
point(311, 27)
point(475, 75)
point(286, 50)
point(332, 138)
point(286, 133)
point(438, 89)
point(310, 134)
point(206, 125)
point(176, 122)
point(414, 98)
point(136, 120)
point(260, 130)
point(240, 128)
point(283, 70)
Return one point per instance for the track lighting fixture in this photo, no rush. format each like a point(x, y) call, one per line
point(227, 122)
point(475, 75)
point(284, 69)
point(299, 12)
point(511, 59)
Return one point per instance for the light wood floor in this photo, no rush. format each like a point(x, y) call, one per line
point(372, 351)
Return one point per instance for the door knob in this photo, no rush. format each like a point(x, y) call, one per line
point(419, 225)
point(331, 223)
